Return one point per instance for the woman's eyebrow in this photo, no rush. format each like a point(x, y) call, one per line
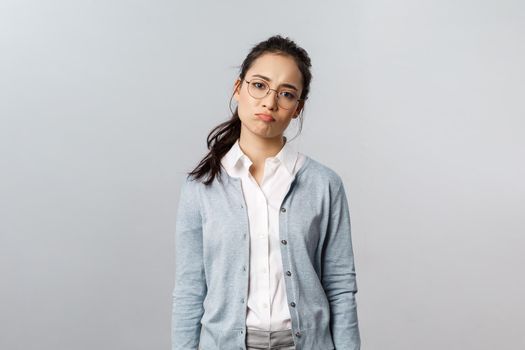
point(268, 79)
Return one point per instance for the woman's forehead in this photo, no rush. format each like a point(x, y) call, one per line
point(279, 68)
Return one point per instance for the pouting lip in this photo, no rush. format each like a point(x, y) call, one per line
point(266, 115)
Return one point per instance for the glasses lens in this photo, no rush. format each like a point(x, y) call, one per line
point(287, 99)
point(259, 89)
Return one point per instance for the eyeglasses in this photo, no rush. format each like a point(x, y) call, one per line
point(286, 98)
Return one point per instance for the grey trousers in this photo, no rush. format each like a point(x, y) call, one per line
point(273, 340)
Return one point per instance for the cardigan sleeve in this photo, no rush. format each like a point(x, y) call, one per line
point(190, 283)
point(339, 277)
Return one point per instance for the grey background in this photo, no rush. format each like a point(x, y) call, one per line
point(418, 105)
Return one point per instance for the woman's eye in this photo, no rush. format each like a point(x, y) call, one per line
point(259, 85)
point(288, 95)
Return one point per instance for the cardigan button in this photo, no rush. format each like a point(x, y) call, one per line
point(283, 210)
point(288, 273)
point(292, 304)
point(298, 334)
point(284, 241)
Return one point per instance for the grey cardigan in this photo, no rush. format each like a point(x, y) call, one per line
point(212, 263)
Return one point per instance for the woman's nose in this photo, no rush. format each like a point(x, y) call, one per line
point(270, 100)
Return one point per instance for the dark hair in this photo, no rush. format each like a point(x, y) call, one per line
point(223, 136)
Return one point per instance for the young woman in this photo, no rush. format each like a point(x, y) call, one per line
point(264, 256)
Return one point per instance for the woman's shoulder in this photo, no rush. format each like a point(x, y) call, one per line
point(196, 186)
point(318, 172)
point(191, 186)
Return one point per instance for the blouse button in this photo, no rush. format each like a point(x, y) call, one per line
point(288, 273)
point(283, 210)
point(292, 304)
point(284, 241)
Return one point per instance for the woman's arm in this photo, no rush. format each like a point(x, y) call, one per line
point(339, 278)
point(190, 283)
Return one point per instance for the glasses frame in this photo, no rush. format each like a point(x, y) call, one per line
point(268, 92)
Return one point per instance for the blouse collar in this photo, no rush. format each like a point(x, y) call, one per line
point(236, 162)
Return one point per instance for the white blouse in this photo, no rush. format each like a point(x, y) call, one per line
point(267, 307)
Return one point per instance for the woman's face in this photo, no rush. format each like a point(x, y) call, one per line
point(275, 70)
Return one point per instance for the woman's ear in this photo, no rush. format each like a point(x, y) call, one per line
point(236, 89)
point(298, 109)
